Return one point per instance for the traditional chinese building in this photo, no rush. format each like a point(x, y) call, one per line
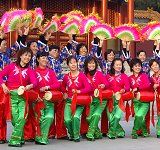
point(114, 12)
point(142, 17)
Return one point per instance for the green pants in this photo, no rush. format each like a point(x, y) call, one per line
point(115, 129)
point(94, 117)
point(72, 123)
point(158, 126)
point(140, 110)
point(18, 121)
point(45, 121)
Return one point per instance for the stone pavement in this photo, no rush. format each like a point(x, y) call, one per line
point(126, 143)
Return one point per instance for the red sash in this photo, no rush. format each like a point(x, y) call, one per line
point(100, 89)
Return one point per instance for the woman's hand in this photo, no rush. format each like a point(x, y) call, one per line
point(5, 88)
point(26, 30)
point(39, 99)
point(19, 30)
point(102, 86)
point(155, 86)
point(70, 38)
point(43, 89)
point(65, 96)
point(101, 43)
point(122, 90)
point(28, 87)
point(47, 36)
point(134, 90)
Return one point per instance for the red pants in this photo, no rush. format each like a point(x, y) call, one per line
point(60, 128)
point(104, 122)
point(3, 124)
point(30, 125)
point(84, 125)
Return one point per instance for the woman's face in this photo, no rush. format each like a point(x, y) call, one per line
point(3, 46)
point(73, 65)
point(34, 48)
point(91, 65)
point(155, 67)
point(43, 60)
point(25, 58)
point(142, 56)
point(137, 68)
point(110, 57)
point(54, 53)
point(83, 51)
point(117, 66)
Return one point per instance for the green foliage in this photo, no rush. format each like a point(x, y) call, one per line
point(144, 4)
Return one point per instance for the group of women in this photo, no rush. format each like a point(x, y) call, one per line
point(83, 79)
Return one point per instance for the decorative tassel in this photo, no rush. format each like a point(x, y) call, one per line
point(121, 105)
point(110, 105)
point(100, 96)
point(128, 112)
point(153, 114)
point(73, 104)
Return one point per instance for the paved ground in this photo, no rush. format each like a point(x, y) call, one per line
point(118, 144)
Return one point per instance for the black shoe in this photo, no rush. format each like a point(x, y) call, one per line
point(51, 137)
point(37, 142)
point(30, 140)
point(90, 139)
point(70, 139)
point(134, 137)
point(140, 134)
point(84, 136)
point(22, 143)
point(63, 138)
point(120, 136)
point(15, 145)
point(5, 141)
point(104, 134)
point(78, 140)
point(158, 136)
point(1, 141)
point(112, 138)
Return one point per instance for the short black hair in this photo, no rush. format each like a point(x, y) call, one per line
point(79, 46)
point(30, 42)
point(152, 61)
point(40, 54)
point(54, 47)
point(135, 61)
point(88, 60)
point(112, 71)
point(108, 51)
point(140, 52)
point(71, 57)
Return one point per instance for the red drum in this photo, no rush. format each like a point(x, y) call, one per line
point(84, 100)
point(106, 94)
point(53, 96)
point(32, 95)
point(145, 96)
point(126, 96)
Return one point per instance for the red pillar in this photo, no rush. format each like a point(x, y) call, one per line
point(131, 20)
point(104, 15)
point(24, 4)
